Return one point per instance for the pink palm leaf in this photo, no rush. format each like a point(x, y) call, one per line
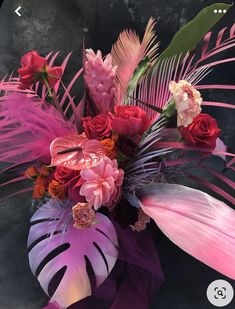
point(128, 52)
point(12, 83)
point(153, 90)
point(199, 224)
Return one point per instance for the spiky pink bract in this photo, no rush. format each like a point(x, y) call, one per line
point(100, 80)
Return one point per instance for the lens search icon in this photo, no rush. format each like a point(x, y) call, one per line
point(220, 293)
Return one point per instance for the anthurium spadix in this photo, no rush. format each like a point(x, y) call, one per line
point(199, 224)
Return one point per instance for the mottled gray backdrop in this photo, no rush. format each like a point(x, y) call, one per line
point(61, 25)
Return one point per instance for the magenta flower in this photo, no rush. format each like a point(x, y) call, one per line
point(101, 186)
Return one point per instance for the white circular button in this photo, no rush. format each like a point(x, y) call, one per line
point(215, 11)
point(220, 293)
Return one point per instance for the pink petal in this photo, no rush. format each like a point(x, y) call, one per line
point(89, 155)
point(220, 148)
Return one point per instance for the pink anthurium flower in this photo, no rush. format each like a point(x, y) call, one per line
point(76, 152)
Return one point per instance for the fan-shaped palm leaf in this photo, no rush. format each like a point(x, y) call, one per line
point(153, 89)
point(12, 84)
point(128, 52)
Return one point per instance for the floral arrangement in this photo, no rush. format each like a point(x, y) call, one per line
point(103, 168)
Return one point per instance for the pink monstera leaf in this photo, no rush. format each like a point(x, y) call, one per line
point(76, 152)
point(62, 256)
point(195, 221)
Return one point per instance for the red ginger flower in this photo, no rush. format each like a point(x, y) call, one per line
point(35, 68)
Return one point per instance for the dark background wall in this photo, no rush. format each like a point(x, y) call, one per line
point(61, 25)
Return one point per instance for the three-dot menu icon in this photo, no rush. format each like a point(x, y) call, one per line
point(220, 11)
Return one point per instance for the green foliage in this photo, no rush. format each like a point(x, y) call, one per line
point(187, 38)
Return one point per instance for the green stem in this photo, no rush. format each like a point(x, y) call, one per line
point(47, 85)
point(52, 98)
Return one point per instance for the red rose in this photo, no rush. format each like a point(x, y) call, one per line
point(66, 176)
point(203, 131)
point(34, 68)
point(71, 180)
point(129, 120)
point(97, 127)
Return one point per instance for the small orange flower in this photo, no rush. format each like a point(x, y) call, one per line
point(38, 191)
point(31, 172)
point(44, 170)
point(109, 145)
point(56, 189)
point(40, 180)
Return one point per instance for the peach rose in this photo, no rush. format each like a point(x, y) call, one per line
point(187, 101)
point(83, 215)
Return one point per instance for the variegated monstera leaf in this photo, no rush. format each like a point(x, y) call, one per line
point(57, 250)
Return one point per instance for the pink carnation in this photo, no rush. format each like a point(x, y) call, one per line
point(101, 186)
point(187, 101)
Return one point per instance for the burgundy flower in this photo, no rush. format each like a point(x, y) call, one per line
point(71, 180)
point(203, 131)
point(98, 127)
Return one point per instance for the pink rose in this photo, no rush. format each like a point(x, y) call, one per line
point(97, 127)
point(101, 184)
point(187, 101)
point(129, 120)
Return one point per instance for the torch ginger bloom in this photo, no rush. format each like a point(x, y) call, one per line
point(100, 80)
point(102, 183)
point(187, 101)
